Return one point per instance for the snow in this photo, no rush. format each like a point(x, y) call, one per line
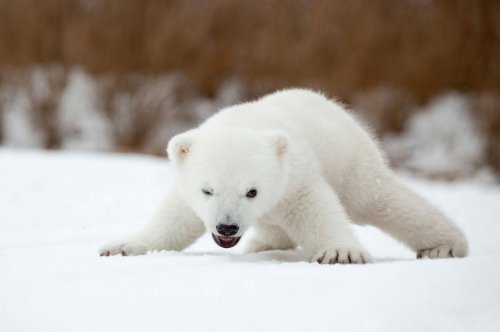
point(17, 124)
point(83, 126)
point(441, 140)
point(57, 208)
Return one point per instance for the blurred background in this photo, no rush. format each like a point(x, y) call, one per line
point(126, 75)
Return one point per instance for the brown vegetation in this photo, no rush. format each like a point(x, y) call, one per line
point(338, 46)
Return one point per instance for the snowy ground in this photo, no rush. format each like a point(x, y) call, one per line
point(56, 209)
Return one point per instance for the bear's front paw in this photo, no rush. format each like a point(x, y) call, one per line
point(342, 255)
point(123, 248)
point(444, 251)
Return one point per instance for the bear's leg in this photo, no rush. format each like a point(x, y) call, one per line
point(318, 222)
point(269, 237)
point(409, 218)
point(174, 227)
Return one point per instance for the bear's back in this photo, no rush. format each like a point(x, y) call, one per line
point(314, 124)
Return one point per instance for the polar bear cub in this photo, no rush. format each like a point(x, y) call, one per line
point(299, 169)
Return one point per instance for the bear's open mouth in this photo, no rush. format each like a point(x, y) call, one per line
point(226, 241)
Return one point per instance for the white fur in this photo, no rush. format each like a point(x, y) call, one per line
point(316, 170)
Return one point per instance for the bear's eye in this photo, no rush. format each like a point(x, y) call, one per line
point(251, 193)
point(208, 192)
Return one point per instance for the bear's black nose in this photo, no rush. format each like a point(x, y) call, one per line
point(227, 230)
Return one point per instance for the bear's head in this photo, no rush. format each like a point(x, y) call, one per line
point(230, 177)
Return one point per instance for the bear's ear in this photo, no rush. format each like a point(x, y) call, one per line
point(179, 146)
point(280, 142)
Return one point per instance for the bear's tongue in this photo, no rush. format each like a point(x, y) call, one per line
point(226, 241)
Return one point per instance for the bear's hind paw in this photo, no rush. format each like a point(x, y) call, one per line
point(342, 255)
point(444, 251)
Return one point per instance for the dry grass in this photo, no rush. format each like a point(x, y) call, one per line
point(338, 46)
